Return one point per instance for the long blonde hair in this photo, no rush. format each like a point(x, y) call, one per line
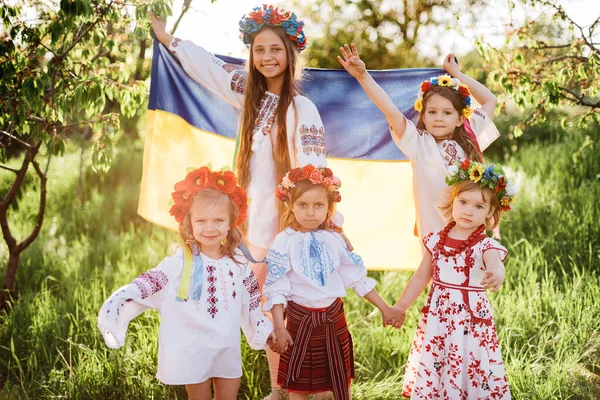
point(487, 194)
point(234, 237)
point(256, 86)
point(460, 135)
point(288, 220)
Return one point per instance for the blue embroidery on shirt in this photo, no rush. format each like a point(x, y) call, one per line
point(277, 264)
point(356, 259)
point(315, 260)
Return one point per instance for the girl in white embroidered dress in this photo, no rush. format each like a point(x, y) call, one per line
point(278, 129)
point(448, 131)
point(310, 265)
point(455, 353)
point(199, 334)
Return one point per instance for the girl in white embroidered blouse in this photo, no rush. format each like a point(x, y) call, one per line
point(278, 129)
point(309, 269)
point(204, 293)
point(449, 129)
point(455, 353)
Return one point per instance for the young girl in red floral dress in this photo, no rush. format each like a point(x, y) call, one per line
point(455, 353)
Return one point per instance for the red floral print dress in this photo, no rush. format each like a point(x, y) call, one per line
point(455, 353)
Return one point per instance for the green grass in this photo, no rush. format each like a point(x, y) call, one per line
point(546, 312)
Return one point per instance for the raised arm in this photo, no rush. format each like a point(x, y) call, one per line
point(356, 67)
point(480, 93)
point(160, 29)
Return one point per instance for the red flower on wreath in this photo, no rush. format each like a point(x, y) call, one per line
point(465, 164)
point(307, 170)
point(464, 91)
point(500, 185)
point(425, 86)
point(223, 181)
point(327, 173)
point(295, 175)
point(317, 176)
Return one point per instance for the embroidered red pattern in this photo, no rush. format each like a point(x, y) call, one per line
point(266, 114)
point(238, 82)
point(251, 285)
point(151, 282)
point(313, 140)
point(212, 308)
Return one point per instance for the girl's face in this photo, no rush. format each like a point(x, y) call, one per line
point(440, 117)
point(470, 209)
point(310, 209)
point(269, 55)
point(210, 222)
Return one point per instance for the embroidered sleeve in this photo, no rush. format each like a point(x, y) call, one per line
point(309, 138)
point(226, 80)
point(430, 240)
point(255, 325)
point(491, 244)
point(145, 292)
point(484, 128)
point(277, 287)
point(353, 271)
point(411, 140)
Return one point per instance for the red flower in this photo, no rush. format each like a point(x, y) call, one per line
point(327, 173)
point(425, 86)
point(224, 182)
point(500, 185)
point(295, 175)
point(337, 197)
point(256, 16)
point(316, 177)
point(179, 211)
point(198, 177)
point(307, 170)
point(185, 190)
point(465, 164)
point(238, 196)
point(464, 91)
point(281, 194)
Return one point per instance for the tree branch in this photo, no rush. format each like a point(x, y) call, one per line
point(579, 99)
point(185, 8)
point(16, 171)
point(15, 139)
point(41, 211)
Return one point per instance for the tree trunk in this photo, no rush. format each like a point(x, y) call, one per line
point(8, 295)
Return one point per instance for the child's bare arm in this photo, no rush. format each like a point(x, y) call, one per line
point(480, 93)
point(495, 272)
point(390, 316)
point(416, 284)
point(356, 67)
point(284, 339)
point(160, 29)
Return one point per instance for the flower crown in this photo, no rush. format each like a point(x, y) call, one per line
point(316, 176)
point(272, 16)
point(488, 176)
point(452, 83)
point(203, 178)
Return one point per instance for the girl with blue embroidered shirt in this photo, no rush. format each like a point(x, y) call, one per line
point(309, 269)
point(204, 293)
point(449, 130)
point(455, 353)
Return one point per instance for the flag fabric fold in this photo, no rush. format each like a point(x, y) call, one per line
point(190, 126)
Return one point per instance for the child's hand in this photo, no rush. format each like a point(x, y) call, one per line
point(351, 61)
point(451, 65)
point(284, 341)
point(493, 279)
point(393, 316)
point(272, 339)
point(160, 29)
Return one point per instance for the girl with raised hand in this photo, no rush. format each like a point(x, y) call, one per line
point(279, 128)
point(204, 293)
point(455, 353)
point(449, 129)
point(309, 269)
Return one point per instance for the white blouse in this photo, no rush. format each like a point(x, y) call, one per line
point(430, 162)
point(312, 269)
point(199, 337)
point(306, 134)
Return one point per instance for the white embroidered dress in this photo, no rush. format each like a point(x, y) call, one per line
point(198, 339)
point(455, 353)
point(430, 162)
point(306, 134)
point(312, 269)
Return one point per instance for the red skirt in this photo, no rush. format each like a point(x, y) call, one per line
point(317, 364)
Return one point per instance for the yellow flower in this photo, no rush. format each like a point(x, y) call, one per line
point(506, 201)
point(418, 105)
point(444, 80)
point(466, 112)
point(476, 173)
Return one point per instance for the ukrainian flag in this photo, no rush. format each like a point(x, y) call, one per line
point(189, 126)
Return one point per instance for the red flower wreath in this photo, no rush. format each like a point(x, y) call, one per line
point(317, 176)
point(203, 178)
